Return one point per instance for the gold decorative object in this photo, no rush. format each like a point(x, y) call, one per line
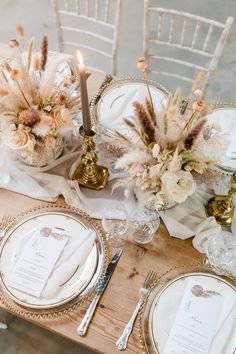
point(221, 206)
point(88, 174)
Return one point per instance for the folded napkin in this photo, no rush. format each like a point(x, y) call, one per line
point(224, 341)
point(73, 256)
point(189, 219)
point(122, 107)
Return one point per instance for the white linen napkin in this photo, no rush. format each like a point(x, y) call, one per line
point(74, 255)
point(224, 341)
point(189, 219)
point(112, 118)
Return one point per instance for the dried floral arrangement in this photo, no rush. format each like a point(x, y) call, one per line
point(170, 150)
point(37, 100)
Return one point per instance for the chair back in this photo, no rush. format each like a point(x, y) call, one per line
point(92, 26)
point(179, 44)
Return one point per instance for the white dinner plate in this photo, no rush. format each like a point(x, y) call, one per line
point(166, 302)
point(116, 103)
point(226, 118)
point(74, 224)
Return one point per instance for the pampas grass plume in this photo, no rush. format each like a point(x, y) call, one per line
point(20, 31)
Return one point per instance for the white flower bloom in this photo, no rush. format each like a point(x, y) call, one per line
point(41, 129)
point(178, 185)
point(156, 150)
point(132, 157)
point(127, 193)
point(18, 139)
point(154, 170)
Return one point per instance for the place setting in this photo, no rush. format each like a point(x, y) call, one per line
point(135, 195)
point(57, 256)
point(189, 309)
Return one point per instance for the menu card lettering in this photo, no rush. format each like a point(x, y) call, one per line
point(37, 260)
point(196, 320)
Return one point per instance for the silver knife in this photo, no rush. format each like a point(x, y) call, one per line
point(82, 328)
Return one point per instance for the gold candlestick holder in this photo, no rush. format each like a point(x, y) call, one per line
point(221, 206)
point(88, 174)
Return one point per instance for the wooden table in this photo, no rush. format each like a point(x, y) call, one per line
point(121, 294)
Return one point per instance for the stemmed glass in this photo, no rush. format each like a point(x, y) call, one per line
point(115, 223)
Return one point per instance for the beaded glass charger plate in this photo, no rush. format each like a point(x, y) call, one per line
point(83, 278)
point(225, 117)
point(116, 102)
point(162, 304)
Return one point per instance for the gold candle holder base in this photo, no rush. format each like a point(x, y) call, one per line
point(222, 207)
point(88, 174)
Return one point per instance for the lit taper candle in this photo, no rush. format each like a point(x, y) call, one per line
point(84, 96)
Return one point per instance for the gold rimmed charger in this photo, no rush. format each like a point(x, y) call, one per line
point(80, 284)
point(114, 101)
point(160, 307)
point(224, 115)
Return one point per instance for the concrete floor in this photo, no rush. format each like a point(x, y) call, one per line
point(37, 18)
point(22, 337)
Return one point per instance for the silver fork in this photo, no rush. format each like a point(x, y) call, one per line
point(3, 224)
point(123, 340)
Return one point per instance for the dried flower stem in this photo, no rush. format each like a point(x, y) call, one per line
point(30, 49)
point(190, 121)
point(145, 75)
point(193, 134)
point(4, 75)
point(44, 52)
point(122, 136)
point(22, 93)
point(151, 112)
point(145, 122)
point(132, 126)
point(20, 31)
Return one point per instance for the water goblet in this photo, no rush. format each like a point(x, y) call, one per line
point(115, 223)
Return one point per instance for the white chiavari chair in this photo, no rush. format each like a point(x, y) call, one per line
point(92, 25)
point(190, 43)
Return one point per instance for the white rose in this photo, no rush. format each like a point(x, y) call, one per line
point(18, 139)
point(178, 185)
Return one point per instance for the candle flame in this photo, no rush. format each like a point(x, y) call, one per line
point(80, 58)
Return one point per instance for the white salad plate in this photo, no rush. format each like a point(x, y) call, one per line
point(164, 303)
point(116, 102)
point(225, 117)
point(85, 276)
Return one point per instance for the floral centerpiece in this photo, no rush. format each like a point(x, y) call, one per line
point(37, 101)
point(170, 150)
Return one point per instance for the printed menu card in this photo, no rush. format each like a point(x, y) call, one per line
point(37, 260)
point(196, 320)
